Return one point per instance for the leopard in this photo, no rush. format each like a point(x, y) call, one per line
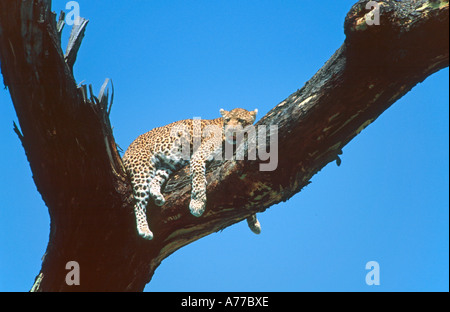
point(153, 157)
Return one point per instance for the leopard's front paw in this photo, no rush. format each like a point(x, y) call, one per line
point(158, 198)
point(197, 207)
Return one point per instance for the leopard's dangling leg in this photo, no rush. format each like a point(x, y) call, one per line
point(141, 195)
point(161, 176)
point(141, 192)
point(141, 222)
point(198, 171)
point(198, 182)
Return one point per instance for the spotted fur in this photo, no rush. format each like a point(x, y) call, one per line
point(154, 156)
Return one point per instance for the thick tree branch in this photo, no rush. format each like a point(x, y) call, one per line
point(78, 171)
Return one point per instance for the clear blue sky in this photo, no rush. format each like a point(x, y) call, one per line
point(170, 60)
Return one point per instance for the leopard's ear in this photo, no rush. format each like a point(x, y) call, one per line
point(253, 113)
point(223, 112)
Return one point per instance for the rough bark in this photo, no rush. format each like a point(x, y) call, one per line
point(77, 169)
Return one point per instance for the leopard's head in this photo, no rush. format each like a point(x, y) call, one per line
point(235, 121)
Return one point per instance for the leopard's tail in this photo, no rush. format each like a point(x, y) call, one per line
point(254, 224)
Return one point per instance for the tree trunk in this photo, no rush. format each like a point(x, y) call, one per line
point(77, 169)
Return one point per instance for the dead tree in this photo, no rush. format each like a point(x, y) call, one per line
point(67, 137)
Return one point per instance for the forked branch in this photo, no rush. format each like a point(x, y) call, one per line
point(76, 167)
